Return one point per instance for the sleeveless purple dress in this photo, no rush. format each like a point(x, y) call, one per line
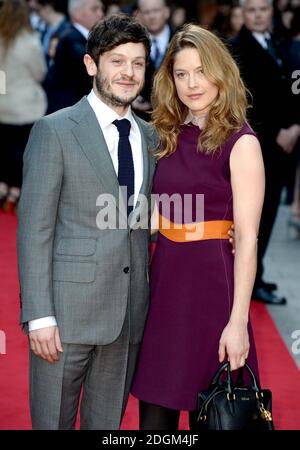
point(191, 283)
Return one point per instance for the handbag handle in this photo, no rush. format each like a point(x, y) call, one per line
point(255, 383)
point(230, 386)
point(220, 371)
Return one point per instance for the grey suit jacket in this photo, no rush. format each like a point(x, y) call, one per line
point(68, 267)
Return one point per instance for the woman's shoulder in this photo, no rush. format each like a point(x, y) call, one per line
point(236, 135)
point(245, 129)
point(27, 35)
point(27, 41)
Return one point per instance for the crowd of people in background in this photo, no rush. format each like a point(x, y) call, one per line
point(42, 44)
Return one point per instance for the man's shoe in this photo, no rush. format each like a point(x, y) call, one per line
point(2, 201)
point(10, 207)
point(268, 286)
point(264, 296)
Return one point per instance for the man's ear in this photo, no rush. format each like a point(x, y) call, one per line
point(90, 65)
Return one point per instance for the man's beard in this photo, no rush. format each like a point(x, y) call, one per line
point(109, 98)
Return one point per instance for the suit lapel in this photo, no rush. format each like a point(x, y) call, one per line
point(90, 138)
point(257, 50)
point(143, 194)
point(92, 143)
point(145, 150)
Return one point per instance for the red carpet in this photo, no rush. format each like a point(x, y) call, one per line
point(278, 370)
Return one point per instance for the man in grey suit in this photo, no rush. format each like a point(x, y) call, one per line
point(84, 287)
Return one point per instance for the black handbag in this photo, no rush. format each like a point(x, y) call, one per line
point(234, 406)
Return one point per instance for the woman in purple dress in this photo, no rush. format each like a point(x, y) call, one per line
point(210, 167)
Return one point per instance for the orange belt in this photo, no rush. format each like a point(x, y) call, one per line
point(196, 231)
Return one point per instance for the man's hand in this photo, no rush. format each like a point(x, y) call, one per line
point(140, 104)
point(287, 138)
point(45, 343)
point(231, 239)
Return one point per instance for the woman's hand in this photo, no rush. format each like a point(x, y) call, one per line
point(235, 343)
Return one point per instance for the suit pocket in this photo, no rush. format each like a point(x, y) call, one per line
point(75, 272)
point(76, 247)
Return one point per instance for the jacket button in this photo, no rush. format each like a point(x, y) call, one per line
point(126, 270)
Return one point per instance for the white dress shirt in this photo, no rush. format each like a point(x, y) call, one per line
point(105, 116)
point(261, 38)
point(84, 31)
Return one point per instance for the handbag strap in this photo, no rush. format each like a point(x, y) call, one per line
point(219, 372)
point(255, 383)
point(230, 385)
point(217, 376)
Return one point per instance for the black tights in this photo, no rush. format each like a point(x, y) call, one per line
point(154, 417)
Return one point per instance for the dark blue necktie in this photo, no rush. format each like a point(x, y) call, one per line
point(272, 51)
point(157, 57)
point(126, 167)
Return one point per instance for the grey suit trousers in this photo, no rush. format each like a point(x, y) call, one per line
point(105, 373)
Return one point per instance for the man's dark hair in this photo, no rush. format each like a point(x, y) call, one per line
point(116, 30)
point(58, 5)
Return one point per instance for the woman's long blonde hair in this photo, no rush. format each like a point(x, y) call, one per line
point(227, 112)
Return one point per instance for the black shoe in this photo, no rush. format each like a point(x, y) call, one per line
point(264, 296)
point(268, 286)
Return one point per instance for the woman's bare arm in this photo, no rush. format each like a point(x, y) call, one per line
point(248, 185)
